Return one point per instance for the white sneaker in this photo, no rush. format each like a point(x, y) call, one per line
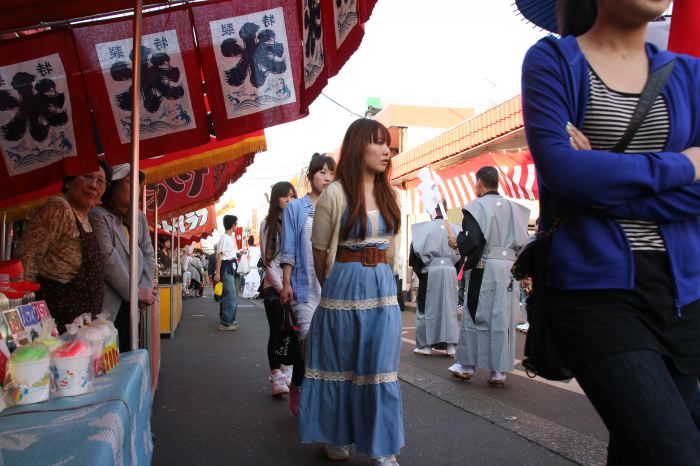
point(385, 461)
point(451, 350)
point(423, 350)
point(287, 371)
point(497, 379)
point(337, 452)
point(462, 372)
point(523, 328)
point(278, 385)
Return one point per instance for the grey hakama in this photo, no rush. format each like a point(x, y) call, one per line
point(488, 340)
point(437, 321)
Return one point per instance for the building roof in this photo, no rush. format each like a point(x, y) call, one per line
point(499, 121)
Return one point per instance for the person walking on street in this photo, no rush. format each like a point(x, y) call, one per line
point(433, 258)
point(300, 285)
point(612, 125)
point(494, 229)
point(252, 278)
point(351, 392)
point(270, 244)
point(225, 271)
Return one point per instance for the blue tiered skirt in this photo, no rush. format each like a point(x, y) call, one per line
point(350, 393)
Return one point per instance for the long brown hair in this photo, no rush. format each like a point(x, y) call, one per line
point(575, 17)
point(350, 173)
point(280, 189)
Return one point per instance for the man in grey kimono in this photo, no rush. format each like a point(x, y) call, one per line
point(494, 230)
point(433, 257)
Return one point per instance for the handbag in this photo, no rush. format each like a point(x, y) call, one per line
point(244, 265)
point(285, 343)
point(542, 356)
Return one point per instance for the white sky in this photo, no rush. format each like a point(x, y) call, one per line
point(464, 53)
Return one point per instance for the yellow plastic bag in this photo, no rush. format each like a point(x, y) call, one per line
point(218, 290)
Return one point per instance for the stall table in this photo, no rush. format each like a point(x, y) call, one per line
point(109, 426)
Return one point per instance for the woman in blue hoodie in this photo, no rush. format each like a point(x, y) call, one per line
point(624, 283)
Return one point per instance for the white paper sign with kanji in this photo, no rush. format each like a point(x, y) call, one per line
point(166, 106)
point(252, 56)
point(36, 126)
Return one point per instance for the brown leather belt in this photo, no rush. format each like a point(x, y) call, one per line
point(369, 256)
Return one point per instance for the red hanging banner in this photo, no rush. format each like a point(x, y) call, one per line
point(252, 60)
point(192, 226)
point(173, 116)
point(315, 69)
point(45, 129)
point(684, 36)
point(195, 189)
point(343, 31)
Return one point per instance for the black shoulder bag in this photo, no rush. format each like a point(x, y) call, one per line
point(542, 356)
point(285, 343)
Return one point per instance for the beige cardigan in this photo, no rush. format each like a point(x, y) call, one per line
point(326, 227)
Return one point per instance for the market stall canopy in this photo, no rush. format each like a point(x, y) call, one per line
point(263, 63)
point(157, 169)
point(517, 179)
point(24, 14)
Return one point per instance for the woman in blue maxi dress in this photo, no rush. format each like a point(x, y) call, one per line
point(351, 391)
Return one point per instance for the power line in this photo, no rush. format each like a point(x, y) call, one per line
point(342, 106)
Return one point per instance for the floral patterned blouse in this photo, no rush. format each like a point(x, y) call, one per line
point(50, 247)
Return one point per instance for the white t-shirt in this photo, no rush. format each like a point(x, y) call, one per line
point(226, 246)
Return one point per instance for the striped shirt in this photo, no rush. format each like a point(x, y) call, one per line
point(608, 114)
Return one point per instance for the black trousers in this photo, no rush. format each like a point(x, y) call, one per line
point(274, 314)
point(122, 324)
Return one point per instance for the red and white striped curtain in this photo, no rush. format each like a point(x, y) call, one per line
point(517, 179)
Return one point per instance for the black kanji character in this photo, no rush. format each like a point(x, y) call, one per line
point(157, 77)
point(38, 110)
point(260, 55)
point(268, 20)
point(161, 43)
point(312, 22)
point(227, 29)
point(44, 69)
point(2, 81)
point(116, 52)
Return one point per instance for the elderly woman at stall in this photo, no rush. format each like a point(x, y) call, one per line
point(110, 221)
point(60, 250)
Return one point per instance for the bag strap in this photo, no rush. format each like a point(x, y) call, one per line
point(652, 88)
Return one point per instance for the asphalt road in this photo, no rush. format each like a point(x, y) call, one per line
point(213, 406)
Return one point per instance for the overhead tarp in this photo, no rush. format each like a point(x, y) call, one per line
point(173, 115)
point(517, 179)
point(156, 169)
point(23, 14)
point(45, 128)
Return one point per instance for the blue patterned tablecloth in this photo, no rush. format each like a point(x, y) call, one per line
point(110, 425)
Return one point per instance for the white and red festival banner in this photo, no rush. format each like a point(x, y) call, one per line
point(344, 31)
point(315, 69)
point(173, 115)
point(517, 179)
point(192, 226)
point(252, 61)
point(45, 128)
